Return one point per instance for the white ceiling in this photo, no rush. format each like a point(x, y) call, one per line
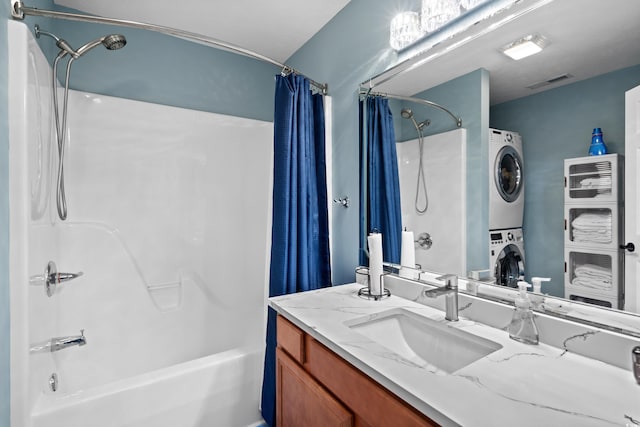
point(587, 38)
point(275, 28)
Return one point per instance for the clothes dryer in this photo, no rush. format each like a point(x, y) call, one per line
point(506, 256)
point(506, 180)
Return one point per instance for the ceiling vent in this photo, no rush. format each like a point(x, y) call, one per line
point(552, 80)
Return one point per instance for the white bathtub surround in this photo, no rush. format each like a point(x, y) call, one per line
point(444, 162)
point(518, 384)
point(167, 207)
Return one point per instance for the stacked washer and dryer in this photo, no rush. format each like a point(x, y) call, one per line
point(506, 207)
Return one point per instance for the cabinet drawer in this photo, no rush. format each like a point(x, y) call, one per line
point(290, 339)
point(301, 401)
point(366, 398)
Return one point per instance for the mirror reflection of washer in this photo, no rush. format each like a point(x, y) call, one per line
point(506, 249)
point(506, 186)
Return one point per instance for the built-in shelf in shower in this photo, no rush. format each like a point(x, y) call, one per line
point(167, 296)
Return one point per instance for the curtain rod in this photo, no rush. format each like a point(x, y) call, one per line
point(367, 92)
point(19, 10)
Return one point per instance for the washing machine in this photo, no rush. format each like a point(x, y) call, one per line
point(506, 256)
point(506, 181)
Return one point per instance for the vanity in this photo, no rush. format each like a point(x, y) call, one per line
point(347, 361)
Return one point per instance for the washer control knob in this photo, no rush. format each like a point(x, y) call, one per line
point(509, 236)
point(509, 137)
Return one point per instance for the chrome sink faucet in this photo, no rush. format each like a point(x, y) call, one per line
point(450, 289)
point(61, 343)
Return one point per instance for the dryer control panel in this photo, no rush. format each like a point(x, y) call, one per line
point(505, 236)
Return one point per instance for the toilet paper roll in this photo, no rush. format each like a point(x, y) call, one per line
point(407, 255)
point(374, 240)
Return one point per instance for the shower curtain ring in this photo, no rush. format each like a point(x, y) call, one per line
point(286, 70)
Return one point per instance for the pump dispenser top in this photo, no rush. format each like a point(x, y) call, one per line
point(523, 327)
point(522, 300)
point(537, 283)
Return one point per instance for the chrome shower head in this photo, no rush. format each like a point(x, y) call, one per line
point(62, 44)
point(114, 41)
point(406, 113)
point(425, 122)
point(110, 41)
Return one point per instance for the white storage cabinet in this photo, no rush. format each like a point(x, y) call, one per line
point(594, 229)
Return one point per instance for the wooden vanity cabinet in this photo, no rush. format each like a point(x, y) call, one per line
point(316, 387)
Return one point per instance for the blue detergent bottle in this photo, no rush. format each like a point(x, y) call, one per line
point(597, 146)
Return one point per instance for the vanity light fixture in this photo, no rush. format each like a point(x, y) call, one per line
point(470, 4)
point(405, 29)
point(526, 46)
point(436, 13)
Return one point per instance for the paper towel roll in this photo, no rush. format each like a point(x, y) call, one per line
point(374, 240)
point(407, 255)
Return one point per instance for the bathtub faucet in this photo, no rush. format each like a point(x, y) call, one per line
point(61, 343)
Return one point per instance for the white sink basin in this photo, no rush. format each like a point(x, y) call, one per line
point(424, 341)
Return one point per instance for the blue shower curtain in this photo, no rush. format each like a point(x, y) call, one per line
point(300, 231)
point(383, 184)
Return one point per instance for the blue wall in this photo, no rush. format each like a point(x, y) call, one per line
point(157, 68)
point(556, 125)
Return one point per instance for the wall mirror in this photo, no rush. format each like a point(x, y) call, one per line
point(553, 100)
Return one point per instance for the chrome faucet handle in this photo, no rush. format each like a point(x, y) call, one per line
point(53, 278)
point(450, 280)
point(60, 343)
point(635, 362)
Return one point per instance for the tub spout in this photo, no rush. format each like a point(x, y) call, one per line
point(61, 343)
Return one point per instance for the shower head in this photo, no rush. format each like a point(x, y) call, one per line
point(62, 44)
point(114, 41)
point(110, 41)
point(408, 114)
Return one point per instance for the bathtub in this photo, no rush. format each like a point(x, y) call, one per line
point(169, 222)
point(216, 390)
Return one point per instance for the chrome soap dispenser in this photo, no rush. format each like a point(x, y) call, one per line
point(523, 327)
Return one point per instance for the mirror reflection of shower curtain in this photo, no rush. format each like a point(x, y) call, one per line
point(300, 234)
point(383, 187)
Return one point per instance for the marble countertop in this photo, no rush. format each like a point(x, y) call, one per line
point(519, 384)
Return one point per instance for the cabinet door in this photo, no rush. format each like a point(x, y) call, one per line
point(370, 402)
point(301, 401)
